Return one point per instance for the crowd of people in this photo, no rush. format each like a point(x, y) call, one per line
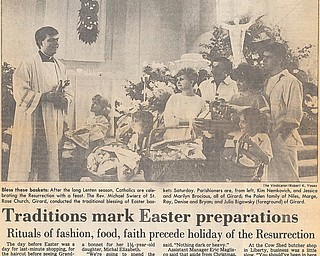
point(268, 102)
point(279, 95)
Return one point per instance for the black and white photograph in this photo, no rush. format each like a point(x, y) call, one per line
point(159, 128)
point(159, 91)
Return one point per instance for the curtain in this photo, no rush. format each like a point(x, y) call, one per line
point(63, 15)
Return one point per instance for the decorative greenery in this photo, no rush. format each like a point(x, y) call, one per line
point(88, 21)
point(8, 103)
point(157, 72)
point(309, 123)
point(7, 115)
point(219, 46)
point(257, 37)
point(293, 60)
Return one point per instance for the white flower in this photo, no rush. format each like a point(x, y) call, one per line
point(168, 88)
point(159, 84)
point(147, 92)
point(171, 86)
point(162, 88)
point(255, 56)
point(5, 147)
point(144, 104)
point(135, 102)
point(123, 108)
point(8, 131)
point(135, 105)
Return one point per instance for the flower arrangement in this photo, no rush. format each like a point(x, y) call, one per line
point(150, 93)
point(88, 21)
point(158, 82)
point(153, 90)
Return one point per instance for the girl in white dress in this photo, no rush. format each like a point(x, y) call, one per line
point(182, 108)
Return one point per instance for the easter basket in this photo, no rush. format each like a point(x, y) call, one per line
point(172, 165)
point(245, 169)
point(112, 162)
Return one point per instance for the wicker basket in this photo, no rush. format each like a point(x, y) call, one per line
point(224, 126)
point(235, 171)
point(170, 170)
point(173, 170)
point(109, 177)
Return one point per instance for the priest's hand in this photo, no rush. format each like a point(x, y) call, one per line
point(59, 101)
point(57, 98)
point(48, 96)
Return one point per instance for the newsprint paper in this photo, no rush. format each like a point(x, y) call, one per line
point(157, 127)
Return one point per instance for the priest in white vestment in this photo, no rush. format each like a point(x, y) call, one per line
point(41, 103)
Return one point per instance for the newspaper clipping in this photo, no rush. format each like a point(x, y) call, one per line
point(157, 127)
